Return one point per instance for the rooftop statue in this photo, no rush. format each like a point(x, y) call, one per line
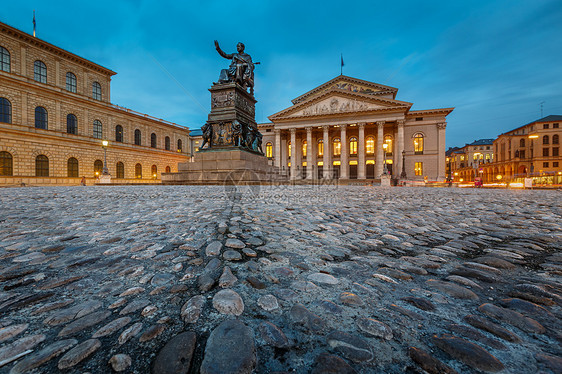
point(241, 69)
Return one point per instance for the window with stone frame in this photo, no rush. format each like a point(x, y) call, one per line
point(168, 169)
point(418, 144)
point(555, 139)
point(154, 171)
point(555, 125)
point(555, 164)
point(40, 71)
point(555, 151)
point(269, 150)
point(120, 167)
point(521, 142)
point(545, 152)
point(41, 166)
point(289, 148)
point(5, 63)
point(96, 91)
point(98, 167)
point(137, 137)
point(98, 129)
point(336, 147)
point(388, 141)
point(353, 145)
point(71, 124)
point(545, 164)
point(5, 110)
point(545, 126)
point(71, 82)
point(119, 133)
point(153, 140)
point(180, 145)
point(6, 164)
point(418, 168)
point(304, 148)
point(41, 118)
point(545, 139)
point(167, 143)
point(138, 171)
point(72, 168)
point(370, 145)
point(320, 147)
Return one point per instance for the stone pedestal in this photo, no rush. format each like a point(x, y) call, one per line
point(104, 179)
point(385, 180)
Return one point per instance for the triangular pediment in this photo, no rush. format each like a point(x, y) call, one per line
point(334, 101)
point(348, 84)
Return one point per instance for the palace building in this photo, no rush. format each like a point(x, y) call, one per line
point(349, 128)
point(55, 111)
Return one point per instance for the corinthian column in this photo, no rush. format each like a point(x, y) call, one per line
point(398, 156)
point(293, 153)
point(380, 155)
point(327, 168)
point(309, 163)
point(441, 152)
point(361, 152)
point(277, 158)
point(344, 157)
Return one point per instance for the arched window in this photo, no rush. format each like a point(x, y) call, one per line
point(154, 171)
point(4, 59)
point(5, 110)
point(545, 139)
point(98, 167)
point(418, 144)
point(137, 137)
point(320, 147)
point(180, 145)
point(167, 143)
point(120, 170)
point(96, 91)
point(555, 139)
point(41, 166)
point(71, 124)
point(168, 169)
point(153, 140)
point(353, 145)
point(40, 71)
point(71, 82)
point(6, 164)
point(98, 129)
point(304, 148)
point(138, 171)
point(269, 150)
point(388, 140)
point(337, 146)
point(119, 133)
point(41, 121)
point(289, 148)
point(522, 142)
point(370, 145)
point(72, 167)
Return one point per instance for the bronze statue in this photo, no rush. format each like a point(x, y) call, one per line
point(207, 130)
point(241, 69)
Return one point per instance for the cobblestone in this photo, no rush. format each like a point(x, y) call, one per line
point(368, 279)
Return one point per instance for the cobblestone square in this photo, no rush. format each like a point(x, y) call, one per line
point(300, 279)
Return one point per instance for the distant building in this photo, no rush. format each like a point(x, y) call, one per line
point(55, 111)
point(467, 162)
point(531, 150)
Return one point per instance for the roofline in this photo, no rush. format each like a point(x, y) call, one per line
point(52, 48)
point(428, 111)
point(540, 120)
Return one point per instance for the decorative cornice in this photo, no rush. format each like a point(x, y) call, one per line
point(380, 124)
point(441, 126)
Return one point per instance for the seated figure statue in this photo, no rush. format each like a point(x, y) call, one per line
point(241, 69)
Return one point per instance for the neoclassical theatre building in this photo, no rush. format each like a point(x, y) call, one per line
point(55, 111)
point(349, 128)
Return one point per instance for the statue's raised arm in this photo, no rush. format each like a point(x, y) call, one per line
point(241, 69)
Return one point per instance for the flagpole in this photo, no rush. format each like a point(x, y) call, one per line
point(341, 65)
point(33, 22)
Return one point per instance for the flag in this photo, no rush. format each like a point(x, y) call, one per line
point(34, 23)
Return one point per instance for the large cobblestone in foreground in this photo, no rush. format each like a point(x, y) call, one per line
point(355, 279)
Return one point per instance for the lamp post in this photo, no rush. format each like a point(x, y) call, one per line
point(105, 143)
point(403, 174)
point(385, 170)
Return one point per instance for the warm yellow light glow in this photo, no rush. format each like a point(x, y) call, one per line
point(370, 162)
point(320, 163)
point(462, 180)
point(105, 143)
point(456, 174)
point(388, 162)
point(385, 146)
point(97, 173)
point(498, 177)
point(304, 163)
point(353, 162)
point(516, 185)
point(533, 136)
point(336, 163)
point(154, 175)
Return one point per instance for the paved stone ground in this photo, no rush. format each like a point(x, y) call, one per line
point(304, 280)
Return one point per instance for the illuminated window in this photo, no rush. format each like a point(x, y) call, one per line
point(337, 146)
point(70, 82)
point(153, 140)
point(154, 171)
point(353, 146)
point(40, 71)
point(289, 148)
point(5, 110)
point(179, 145)
point(487, 156)
point(320, 147)
point(41, 118)
point(388, 140)
point(138, 171)
point(167, 143)
point(418, 144)
point(370, 145)
point(72, 167)
point(418, 168)
point(4, 59)
point(41, 166)
point(98, 129)
point(98, 167)
point(137, 137)
point(168, 169)
point(6, 164)
point(119, 133)
point(269, 150)
point(120, 170)
point(304, 146)
point(71, 124)
point(462, 157)
point(96, 91)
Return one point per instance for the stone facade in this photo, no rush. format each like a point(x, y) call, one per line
point(344, 124)
point(22, 92)
point(469, 161)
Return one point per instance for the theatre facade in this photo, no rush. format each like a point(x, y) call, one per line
point(55, 113)
point(349, 129)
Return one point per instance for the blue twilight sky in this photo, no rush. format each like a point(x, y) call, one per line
point(494, 60)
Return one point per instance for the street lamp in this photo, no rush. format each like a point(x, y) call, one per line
point(105, 143)
point(385, 170)
point(403, 174)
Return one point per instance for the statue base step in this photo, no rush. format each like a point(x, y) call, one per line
point(226, 166)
